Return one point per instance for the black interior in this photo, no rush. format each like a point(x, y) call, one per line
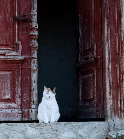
point(57, 53)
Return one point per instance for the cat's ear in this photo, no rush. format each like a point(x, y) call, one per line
point(54, 89)
point(45, 88)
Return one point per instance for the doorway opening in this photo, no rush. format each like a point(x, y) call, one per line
point(57, 54)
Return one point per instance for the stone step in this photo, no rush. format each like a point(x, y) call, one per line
point(116, 134)
point(60, 130)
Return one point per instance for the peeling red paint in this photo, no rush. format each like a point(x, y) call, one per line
point(113, 61)
point(89, 65)
point(18, 59)
point(100, 63)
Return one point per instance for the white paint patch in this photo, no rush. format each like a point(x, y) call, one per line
point(34, 70)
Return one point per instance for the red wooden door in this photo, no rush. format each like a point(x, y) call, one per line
point(90, 60)
point(17, 51)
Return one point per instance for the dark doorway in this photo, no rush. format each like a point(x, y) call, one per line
point(57, 54)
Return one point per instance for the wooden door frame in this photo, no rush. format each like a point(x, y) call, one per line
point(34, 66)
point(113, 113)
point(112, 62)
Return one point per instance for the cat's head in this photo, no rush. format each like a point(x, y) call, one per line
point(49, 93)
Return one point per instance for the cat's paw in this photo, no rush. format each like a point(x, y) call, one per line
point(52, 121)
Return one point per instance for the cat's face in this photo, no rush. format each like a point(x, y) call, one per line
point(48, 93)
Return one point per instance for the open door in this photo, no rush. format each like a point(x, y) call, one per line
point(18, 68)
point(89, 63)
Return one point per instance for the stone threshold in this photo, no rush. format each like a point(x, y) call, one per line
point(59, 130)
point(116, 134)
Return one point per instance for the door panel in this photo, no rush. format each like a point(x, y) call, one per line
point(10, 91)
point(10, 86)
point(6, 23)
point(10, 62)
point(87, 80)
point(18, 48)
point(89, 65)
point(6, 85)
point(86, 18)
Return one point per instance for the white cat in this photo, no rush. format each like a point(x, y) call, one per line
point(48, 110)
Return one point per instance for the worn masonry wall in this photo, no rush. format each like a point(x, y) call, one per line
point(57, 53)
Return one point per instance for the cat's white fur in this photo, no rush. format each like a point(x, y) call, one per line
point(48, 110)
